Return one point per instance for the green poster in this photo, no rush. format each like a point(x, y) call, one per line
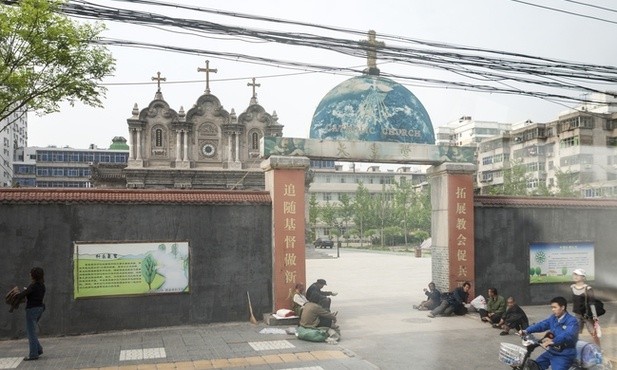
point(110, 269)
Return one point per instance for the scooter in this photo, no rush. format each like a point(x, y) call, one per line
point(588, 355)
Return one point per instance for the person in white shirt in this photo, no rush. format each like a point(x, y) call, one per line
point(299, 299)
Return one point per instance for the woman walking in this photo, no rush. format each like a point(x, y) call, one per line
point(583, 301)
point(34, 295)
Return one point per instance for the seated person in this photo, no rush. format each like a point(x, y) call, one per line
point(514, 318)
point(316, 295)
point(315, 317)
point(299, 299)
point(495, 307)
point(433, 298)
point(454, 302)
point(561, 349)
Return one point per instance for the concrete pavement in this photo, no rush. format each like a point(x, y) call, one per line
point(379, 330)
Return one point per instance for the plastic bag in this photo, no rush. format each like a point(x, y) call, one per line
point(588, 354)
point(311, 334)
point(479, 303)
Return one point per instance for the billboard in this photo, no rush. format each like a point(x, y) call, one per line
point(554, 262)
point(130, 268)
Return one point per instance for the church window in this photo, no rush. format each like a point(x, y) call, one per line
point(158, 137)
point(255, 141)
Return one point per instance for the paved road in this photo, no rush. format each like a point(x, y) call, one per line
point(376, 292)
point(380, 331)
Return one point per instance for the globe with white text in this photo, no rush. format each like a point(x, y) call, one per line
point(372, 108)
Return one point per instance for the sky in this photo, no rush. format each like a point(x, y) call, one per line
point(493, 24)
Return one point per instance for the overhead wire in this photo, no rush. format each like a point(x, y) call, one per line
point(565, 11)
point(467, 62)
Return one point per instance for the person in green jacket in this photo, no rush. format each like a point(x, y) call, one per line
point(495, 307)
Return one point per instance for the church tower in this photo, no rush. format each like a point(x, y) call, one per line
point(206, 147)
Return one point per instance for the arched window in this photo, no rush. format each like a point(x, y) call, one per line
point(255, 141)
point(158, 137)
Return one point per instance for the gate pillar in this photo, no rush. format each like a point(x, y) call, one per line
point(452, 225)
point(285, 182)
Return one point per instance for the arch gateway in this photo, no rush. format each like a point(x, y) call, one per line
point(451, 179)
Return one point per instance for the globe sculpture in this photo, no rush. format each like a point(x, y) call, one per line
point(372, 108)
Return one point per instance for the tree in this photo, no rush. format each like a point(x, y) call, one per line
point(402, 204)
point(565, 183)
point(362, 210)
point(345, 214)
point(148, 270)
point(46, 58)
point(514, 180)
point(313, 216)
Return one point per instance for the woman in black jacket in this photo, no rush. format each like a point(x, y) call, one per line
point(34, 295)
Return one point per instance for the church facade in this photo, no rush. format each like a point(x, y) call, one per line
point(206, 147)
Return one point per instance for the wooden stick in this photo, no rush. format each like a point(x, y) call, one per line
point(252, 318)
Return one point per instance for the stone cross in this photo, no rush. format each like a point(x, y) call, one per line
point(371, 46)
point(158, 80)
point(254, 85)
point(207, 70)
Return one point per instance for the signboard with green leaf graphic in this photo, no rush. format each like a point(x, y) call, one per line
point(554, 262)
point(112, 269)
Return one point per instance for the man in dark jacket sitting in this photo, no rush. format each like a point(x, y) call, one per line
point(454, 302)
point(316, 295)
point(514, 318)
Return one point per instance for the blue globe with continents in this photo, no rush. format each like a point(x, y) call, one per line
point(372, 108)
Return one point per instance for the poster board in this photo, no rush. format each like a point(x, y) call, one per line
point(554, 262)
point(130, 268)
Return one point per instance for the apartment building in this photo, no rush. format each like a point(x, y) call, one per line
point(580, 143)
point(14, 135)
point(53, 167)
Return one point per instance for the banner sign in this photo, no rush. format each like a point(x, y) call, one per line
point(112, 269)
point(366, 151)
point(554, 262)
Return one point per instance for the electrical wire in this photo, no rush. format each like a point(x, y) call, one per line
point(565, 11)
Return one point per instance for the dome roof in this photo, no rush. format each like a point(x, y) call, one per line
point(372, 108)
point(118, 143)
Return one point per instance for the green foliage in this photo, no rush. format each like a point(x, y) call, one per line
point(538, 270)
point(46, 58)
point(565, 183)
point(149, 270)
point(564, 270)
point(313, 216)
point(532, 271)
point(174, 250)
point(514, 181)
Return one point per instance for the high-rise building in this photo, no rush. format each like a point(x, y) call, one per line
point(466, 131)
point(581, 144)
point(14, 135)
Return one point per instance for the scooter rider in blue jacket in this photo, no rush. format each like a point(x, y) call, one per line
point(561, 349)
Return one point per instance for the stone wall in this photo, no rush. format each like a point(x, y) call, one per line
point(504, 227)
point(230, 253)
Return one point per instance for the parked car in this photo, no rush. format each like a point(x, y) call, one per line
point(324, 243)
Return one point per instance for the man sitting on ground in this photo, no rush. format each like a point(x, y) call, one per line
point(514, 318)
point(433, 298)
point(454, 302)
point(314, 316)
point(316, 295)
point(495, 307)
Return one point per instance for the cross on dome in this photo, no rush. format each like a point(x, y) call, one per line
point(254, 85)
point(207, 70)
point(371, 46)
point(158, 80)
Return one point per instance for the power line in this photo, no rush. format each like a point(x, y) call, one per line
point(565, 11)
point(471, 63)
point(592, 6)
